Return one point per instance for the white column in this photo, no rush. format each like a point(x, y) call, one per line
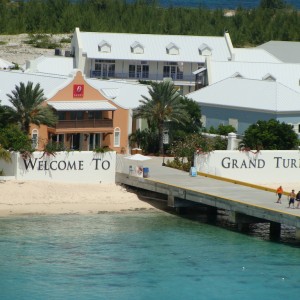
point(231, 141)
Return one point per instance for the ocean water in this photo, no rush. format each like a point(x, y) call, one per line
point(140, 255)
point(222, 4)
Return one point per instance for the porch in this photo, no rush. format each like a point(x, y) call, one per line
point(94, 123)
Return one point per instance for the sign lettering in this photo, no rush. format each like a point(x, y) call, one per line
point(280, 162)
point(42, 165)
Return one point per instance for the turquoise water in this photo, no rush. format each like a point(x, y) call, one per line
point(140, 255)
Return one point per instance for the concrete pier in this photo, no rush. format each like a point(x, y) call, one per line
point(246, 203)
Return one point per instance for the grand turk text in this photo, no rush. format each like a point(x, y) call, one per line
point(279, 162)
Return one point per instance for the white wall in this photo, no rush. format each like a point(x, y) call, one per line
point(264, 167)
point(84, 167)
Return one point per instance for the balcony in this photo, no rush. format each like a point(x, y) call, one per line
point(80, 124)
point(179, 77)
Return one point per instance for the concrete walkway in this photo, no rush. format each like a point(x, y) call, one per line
point(233, 194)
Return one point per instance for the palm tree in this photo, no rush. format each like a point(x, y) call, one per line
point(28, 107)
point(164, 105)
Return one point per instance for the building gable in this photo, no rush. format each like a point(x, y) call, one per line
point(237, 75)
point(204, 50)
point(269, 77)
point(78, 90)
point(104, 46)
point(137, 48)
point(172, 49)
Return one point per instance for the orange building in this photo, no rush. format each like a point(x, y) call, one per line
point(87, 119)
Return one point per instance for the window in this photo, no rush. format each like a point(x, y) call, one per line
point(97, 115)
point(35, 138)
point(137, 48)
point(204, 49)
point(76, 115)
point(58, 138)
point(295, 127)
point(98, 66)
point(104, 68)
point(131, 71)
point(117, 137)
point(104, 46)
point(173, 70)
point(80, 115)
point(139, 70)
point(95, 141)
point(172, 49)
point(234, 123)
point(61, 115)
point(269, 77)
point(203, 120)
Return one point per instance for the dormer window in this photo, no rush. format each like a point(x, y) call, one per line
point(137, 48)
point(269, 77)
point(172, 49)
point(237, 75)
point(204, 50)
point(104, 46)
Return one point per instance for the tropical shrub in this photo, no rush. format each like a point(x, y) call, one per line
point(270, 135)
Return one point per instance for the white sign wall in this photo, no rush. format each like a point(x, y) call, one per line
point(74, 166)
point(250, 166)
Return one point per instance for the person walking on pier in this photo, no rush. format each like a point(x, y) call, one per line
point(279, 193)
point(292, 197)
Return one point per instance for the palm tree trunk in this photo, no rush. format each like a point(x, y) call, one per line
point(26, 127)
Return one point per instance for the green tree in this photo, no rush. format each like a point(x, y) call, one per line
point(270, 135)
point(194, 115)
point(3, 122)
point(222, 129)
point(28, 107)
point(13, 139)
point(163, 105)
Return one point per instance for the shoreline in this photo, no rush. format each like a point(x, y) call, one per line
point(21, 198)
point(32, 198)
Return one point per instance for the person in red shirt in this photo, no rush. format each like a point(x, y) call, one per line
point(279, 193)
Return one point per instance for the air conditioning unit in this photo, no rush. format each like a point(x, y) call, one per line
point(57, 52)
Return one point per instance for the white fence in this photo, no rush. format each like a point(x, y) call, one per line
point(85, 167)
point(263, 167)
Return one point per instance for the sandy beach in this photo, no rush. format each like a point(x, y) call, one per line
point(40, 197)
point(33, 197)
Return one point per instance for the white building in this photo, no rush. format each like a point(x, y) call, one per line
point(241, 102)
point(148, 56)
